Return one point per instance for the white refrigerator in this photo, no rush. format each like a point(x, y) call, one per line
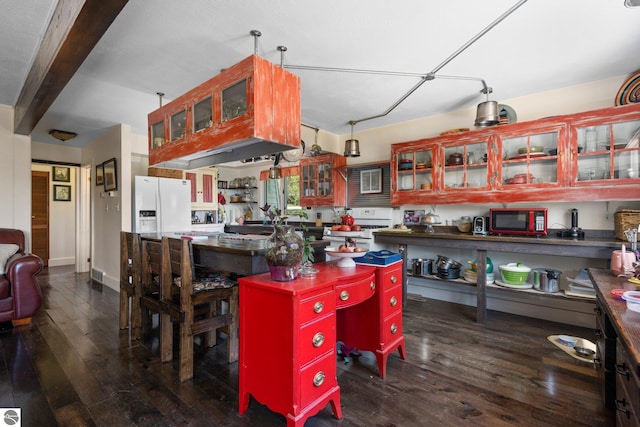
point(161, 205)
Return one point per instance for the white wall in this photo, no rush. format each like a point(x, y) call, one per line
point(110, 214)
point(15, 176)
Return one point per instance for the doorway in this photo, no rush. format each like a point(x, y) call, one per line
point(40, 215)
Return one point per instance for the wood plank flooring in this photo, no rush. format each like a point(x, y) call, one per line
point(73, 366)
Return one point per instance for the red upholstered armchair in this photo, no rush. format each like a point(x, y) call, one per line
point(20, 294)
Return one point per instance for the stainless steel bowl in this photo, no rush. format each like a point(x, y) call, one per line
point(584, 352)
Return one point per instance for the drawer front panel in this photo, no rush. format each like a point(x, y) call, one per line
point(316, 339)
point(391, 300)
point(392, 328)
point(317, 306)
point(392, 277)
point(627, 378)
point(317, 378)
point(355, 292)
point(604, 327)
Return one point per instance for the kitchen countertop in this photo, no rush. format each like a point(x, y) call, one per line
point(591, 247)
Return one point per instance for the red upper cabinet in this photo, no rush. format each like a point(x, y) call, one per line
point(588, 156)
point(446, 169)
point(607, 152)
point(252, 104)
point(321, 180)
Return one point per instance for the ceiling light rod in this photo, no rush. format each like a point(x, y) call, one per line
point(255, 34)
point(431, 75)
point(310, 127)
point(475, 38)
point(352, 70)
point(160, 95)
point(282, 50)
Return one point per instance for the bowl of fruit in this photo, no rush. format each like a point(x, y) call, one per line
point(346, 230)
point(346, 254)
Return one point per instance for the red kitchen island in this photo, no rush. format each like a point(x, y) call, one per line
point(289, 330)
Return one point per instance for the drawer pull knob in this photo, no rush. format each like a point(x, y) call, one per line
point(622, 370)
point(318, 339)
point(318, 307)
point(344, 295)
point(372, 285)
point(394, 279)
point(394, 328)
point(318, 379)
point(393, 301)
point(597, 310)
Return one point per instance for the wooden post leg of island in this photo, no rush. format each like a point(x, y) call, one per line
point(402, 249)
point(481, 304)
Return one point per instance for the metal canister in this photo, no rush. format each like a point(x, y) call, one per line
point(416, 266)
point(427, 267)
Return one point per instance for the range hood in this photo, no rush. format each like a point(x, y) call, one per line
point(235, 151)
point(249, 110)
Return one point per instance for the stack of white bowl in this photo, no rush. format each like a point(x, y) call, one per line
point(472, 276)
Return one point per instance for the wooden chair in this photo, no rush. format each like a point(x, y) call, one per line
point(196, 311)
point(149, 301)
point(130, 282)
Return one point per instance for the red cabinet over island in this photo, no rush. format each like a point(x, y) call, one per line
point(248, 110)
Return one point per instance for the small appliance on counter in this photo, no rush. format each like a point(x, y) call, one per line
point(574, 232)
point(480, 226)
point(518, 221)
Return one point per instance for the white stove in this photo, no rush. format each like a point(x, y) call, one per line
point(371, 220)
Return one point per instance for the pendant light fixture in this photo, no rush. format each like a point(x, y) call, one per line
point(487, 114)
point(352, 146)
point(274, 171)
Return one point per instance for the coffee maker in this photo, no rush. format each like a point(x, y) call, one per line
point(574, 232)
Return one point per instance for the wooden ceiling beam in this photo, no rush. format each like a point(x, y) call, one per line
point(74, 29)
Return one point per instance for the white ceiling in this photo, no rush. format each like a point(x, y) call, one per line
point(172, 46)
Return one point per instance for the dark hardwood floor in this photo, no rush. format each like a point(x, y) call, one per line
point(73, 366)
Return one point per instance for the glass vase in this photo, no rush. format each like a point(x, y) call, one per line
point(284, 253)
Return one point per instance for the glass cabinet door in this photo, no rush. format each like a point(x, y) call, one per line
point(415, 170)
point(465, 166)
point(324, 179)
point(202, 115)
point(608, 152)
point(316, 179)
point(530, 159)
point(308, 180)
point(234, 100)
point(157, 134)
point(178, 125)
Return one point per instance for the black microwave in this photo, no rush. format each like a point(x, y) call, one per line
point(518, 221)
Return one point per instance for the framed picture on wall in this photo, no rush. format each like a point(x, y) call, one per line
point(100, 175)
point(61, 173)
point(110, 172)
point(62, 193)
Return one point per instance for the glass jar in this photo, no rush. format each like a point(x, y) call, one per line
point(285, 252)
